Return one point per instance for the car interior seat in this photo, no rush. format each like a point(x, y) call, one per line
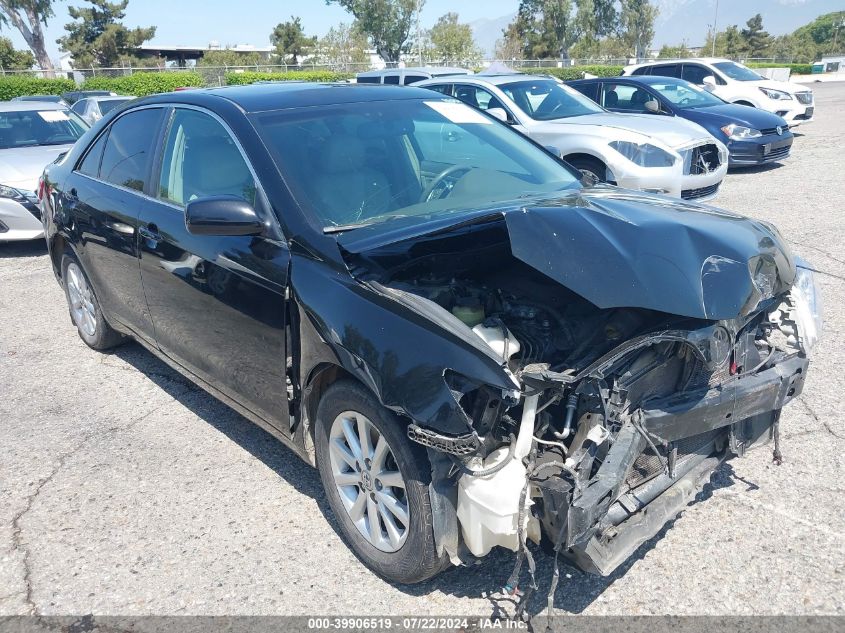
point(611, 99)
point(347, 188)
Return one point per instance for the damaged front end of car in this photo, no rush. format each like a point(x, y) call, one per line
point(646, 342)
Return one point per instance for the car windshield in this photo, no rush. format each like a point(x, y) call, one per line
point(107, 105)
point(546, 100)
point(685, 95)
point(737, 71)
point(26, 128)
point(363, 163)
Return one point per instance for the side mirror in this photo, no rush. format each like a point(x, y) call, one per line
point(498, 113)
point(554, 151)
point(709, 82)
point(222, 215)
point(652, 106)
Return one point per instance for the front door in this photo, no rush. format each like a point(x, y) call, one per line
point(217, 302)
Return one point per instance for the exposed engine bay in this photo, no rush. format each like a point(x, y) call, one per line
point(616, 409)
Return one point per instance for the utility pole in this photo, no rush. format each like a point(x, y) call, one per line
point(715, 30)
point(419, 41)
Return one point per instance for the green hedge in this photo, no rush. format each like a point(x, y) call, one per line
point(795, 69)
point(141, 84)
point(20, 86)
point(249, 77)
point(568, 73)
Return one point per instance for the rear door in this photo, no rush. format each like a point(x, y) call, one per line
point(105, 194)
point(217, 302)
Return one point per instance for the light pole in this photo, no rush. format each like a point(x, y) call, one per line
point(715, 30)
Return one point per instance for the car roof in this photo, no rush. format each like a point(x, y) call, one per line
point(637, 79)
point(292, 94)
point(434, 71)
point(489, 80)
point(108, 98)
point(30, 106)
point(680, 60)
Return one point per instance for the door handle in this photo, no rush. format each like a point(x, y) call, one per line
point(149, 232)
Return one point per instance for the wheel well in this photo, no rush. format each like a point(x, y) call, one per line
point(570, 158)
point(57, 250)
point(321, 378)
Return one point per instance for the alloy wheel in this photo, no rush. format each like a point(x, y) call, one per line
point(81, 300)
point(371, 487)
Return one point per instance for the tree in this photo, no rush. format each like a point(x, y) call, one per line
point(546, 28)
point(452, 41)
point(673, 52)
point(28, 17)
point(510, 45)
point(733, 46)
point(386, 22)
point(755, 41)
point(290, 40)
point(637, 18)
point(824, 35)
point(343, 45)
point(13, 59)
point(98, 38)
point(224, 57)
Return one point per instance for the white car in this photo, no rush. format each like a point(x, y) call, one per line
point(738, 84)
point(32, 135)
point(636, 151)
point(92, 109)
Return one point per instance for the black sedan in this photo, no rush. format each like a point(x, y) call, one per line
point(753, 137)
point(473, 349)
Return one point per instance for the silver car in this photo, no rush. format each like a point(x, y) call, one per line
point(92, 109)
point(32, 135)
point(635, 151)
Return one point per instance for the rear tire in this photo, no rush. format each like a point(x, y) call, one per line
point(353, 427)
point(85, 311)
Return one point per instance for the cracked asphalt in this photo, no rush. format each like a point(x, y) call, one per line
point(125, 490)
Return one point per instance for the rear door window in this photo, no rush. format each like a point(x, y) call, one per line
point(90, 165)
point(391, 79)
point(666, 70)
point(128, 154)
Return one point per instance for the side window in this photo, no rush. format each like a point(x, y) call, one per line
point(90, 165)
point(666, 70)
point(695, 74)
point(200, 160)
point(625, 98)
point(412, 79)
point(588, 90)
point(477, 97)
point(368, 80)
point(642, 71)
point(445, 89)
point(128, 154)
point(79, 107)
point(391, 79)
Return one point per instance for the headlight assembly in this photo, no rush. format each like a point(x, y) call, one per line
point(644, 155)
point(807, 304)
point(737, 132)
point(13, 194)
point(777, 95)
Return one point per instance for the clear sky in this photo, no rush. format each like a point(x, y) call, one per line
point(197, 22)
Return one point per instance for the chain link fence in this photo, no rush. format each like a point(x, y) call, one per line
point(216, 75)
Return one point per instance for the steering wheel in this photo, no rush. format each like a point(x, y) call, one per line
point(425, 196)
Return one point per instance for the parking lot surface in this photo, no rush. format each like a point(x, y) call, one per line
point(125, 490)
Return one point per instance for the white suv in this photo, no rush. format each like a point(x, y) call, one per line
point(736, 83)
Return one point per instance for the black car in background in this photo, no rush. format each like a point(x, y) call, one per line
point(753, 136)
point(473, 348)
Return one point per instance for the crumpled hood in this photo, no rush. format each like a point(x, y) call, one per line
point(20, 167)
point(671, 131)
point(619, 249)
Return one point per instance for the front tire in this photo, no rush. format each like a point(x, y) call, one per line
point(85, 311)
point(376, 481)
point(592, 169)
